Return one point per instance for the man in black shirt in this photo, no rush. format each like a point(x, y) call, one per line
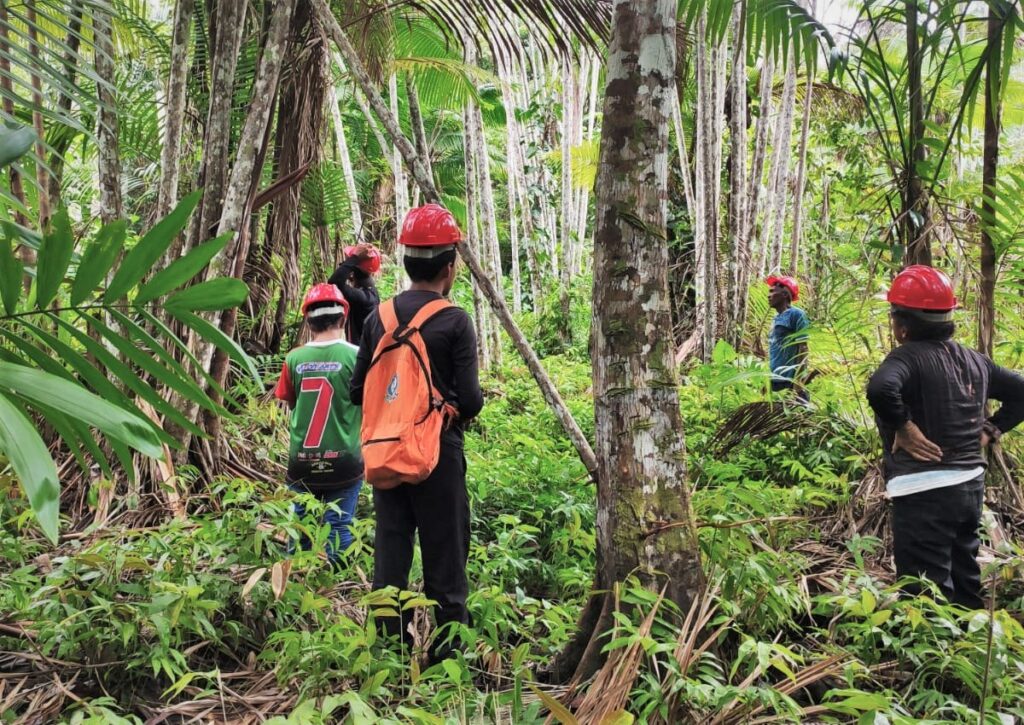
point(929, 397)
point(354, 277)
point(438, 507)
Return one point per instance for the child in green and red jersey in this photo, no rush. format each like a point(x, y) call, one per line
point(324, 456)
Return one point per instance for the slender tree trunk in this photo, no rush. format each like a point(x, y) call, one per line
point(174, 110)
point(519, 202)
point(430, 194)
point(642, 482)
point(401, 182)
point(416, 121)
point(229, 23)
point(346, 163)
point(761, 134)
point(473, 238)
point(990, 163)
point(684, 159)
point(72, 43)
point(42, 178)
point(916, 216)
point(775, 211)
point(801, 176)
point(489, 249)
point(109, 157)
point(736, 294)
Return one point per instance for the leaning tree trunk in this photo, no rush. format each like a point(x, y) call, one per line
point(736, 293)
point(174, 109)
point(990, 162)
point(430, 194)
point(645, 524)
point(109, 157)
point(916, 217)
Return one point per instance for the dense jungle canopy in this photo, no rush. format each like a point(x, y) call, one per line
point(656, 535)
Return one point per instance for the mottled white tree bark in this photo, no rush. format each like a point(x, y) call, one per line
point(801, 176)
point(345, 158)
point(736, 291)
point(401, 182)
point(642, 482)
point(775, 207)
point(174, 108)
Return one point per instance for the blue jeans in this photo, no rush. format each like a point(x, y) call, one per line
point(345, 499)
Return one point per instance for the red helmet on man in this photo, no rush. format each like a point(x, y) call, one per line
point(324, 294)
point(920, 287)
point(788, 282)
point(430, 225)
point(371, 263)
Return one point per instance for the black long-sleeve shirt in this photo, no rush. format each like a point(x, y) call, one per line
point(451, 346)
point(943, 388)
point(362, 298)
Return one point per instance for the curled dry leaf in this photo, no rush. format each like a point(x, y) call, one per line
point(251, 582)
point(279, 577)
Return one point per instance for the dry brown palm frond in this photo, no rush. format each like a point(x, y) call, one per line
point(607, 694)
point(757, 421)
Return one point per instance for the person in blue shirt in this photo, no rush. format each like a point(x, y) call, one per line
point(787, 342)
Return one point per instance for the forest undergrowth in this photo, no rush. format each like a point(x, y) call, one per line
point(207, 616)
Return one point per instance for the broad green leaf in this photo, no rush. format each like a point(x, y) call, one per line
point(213, 334)
point(32, 464)
point(97, 260)
point(214, 294)
point(182, 270)
point(10, 275)
point(150, 248)
point(73, 400)
point(183, 385)
point(14, 143)
point(54, 258)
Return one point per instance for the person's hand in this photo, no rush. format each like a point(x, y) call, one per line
point(910, 439)
point(362, 251)
point(989, 435)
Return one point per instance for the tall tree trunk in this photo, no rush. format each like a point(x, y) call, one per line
point(416, 121)
point(401, 183)
point(801, 171)
point(642, 482)
point(775, 209)
point(761, 134)
point(916, 217)
point(489, 250)
point(345, 158)
point(430, 194)
point(72, 43)
point(736, 294)
point(990, 162)
point(109, 157)
point(174, 109)
point(519, 203)
point(480, 312)
point(42, 178)
point(228, 23)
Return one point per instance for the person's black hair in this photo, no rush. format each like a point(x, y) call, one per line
point(326, 322)
point(427, 270)
point(920, 330)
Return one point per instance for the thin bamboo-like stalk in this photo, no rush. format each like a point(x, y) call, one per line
point(775, 208)
point(345, 158)
point(42, 192)
point(401, 181)
point(801, 177)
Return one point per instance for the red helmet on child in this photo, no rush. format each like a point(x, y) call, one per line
point(920, 287)
point(430, 225)
point(322, 293)
point(371, 264)
point(788, 282)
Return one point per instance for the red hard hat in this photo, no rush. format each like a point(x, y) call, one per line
point(920, 287)
point(788, 282)
point(430, 225)
point(325, 292)
point(370, 265)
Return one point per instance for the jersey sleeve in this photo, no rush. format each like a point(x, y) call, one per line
point(285, 390)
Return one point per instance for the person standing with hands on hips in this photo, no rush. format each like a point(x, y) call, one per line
point(929, 397)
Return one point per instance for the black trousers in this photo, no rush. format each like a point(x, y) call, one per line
point(935, 535)
point(438, 508)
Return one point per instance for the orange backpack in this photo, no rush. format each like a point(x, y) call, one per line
point(403, 413)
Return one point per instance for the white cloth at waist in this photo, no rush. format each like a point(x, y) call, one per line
point(927, 480)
